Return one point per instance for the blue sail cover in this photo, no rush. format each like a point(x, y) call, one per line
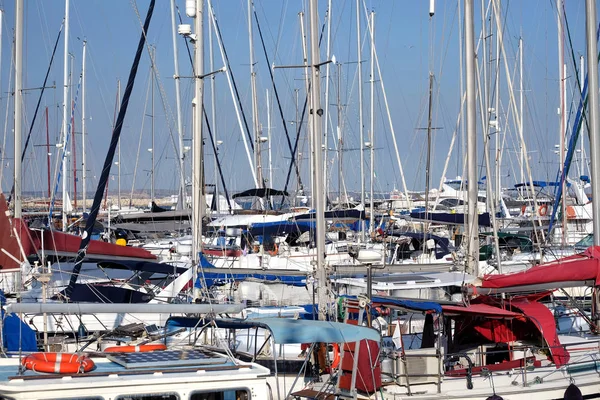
point(413, 305)
point(210, 279)
point(409, 304)
point(449, 218)
point(336, 215)
point(280, 228)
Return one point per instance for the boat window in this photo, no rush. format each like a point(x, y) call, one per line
point(78, 398)
point(231, 394)
point(452, 202)
point(149, 396)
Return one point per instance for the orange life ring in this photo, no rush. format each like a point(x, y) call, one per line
point(58, 363)
point(543, 210)
point(336, 356)
point(143, 348)
point(275, 250)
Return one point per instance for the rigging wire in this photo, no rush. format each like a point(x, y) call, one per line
point(37, 107)
point(137, 156)
point(110, 155)
point(227, 197)
point(287, 136)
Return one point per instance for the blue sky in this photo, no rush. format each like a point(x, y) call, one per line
point(408, 43)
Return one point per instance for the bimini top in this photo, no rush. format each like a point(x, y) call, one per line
point(261, 192)
point(287, 330)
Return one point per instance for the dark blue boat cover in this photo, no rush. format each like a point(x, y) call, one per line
point(449, 218)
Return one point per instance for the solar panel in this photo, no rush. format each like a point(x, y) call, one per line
point(165, 359)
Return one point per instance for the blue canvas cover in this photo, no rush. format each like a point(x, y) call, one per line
point(146, 266)
point(16, 334)
point(210, 279)
point(413, 305)
point(287, 330)
point(280, 228)
point(449, 218)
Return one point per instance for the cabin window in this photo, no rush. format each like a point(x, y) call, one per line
point(230, 394)
point(78, 398)
point(149, 396)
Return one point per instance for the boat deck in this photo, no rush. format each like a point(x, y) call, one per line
point(123, 372)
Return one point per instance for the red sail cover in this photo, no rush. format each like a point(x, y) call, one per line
point(579, 267)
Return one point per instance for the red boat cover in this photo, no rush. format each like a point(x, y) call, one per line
point(542, 318)
point(525, 319)
point(63, 243)
point(579, 267)
point(482, 310)
point(66, 243)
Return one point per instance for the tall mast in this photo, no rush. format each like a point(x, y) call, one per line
point(428, 163)
point(562, 113)
point(471, 98)
point(269, 138)
point(48, 152)
point(522, 152)
point(18, 104)
point(592, 66)
point(326, 131)
point(65, 116)
point(297, 125)
point(316, 121)
point(213, 117)
point(119, 152)
point(306, 86)
point(83, 155)
point(581, 141)
point(360, 115)
point(72, 126)
point(498, 183)
point(339, 133)
point(372, 127)
point(182, 197)
point(74, 155)
point(197, 173)
point(255, 121)
point(152, 193)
